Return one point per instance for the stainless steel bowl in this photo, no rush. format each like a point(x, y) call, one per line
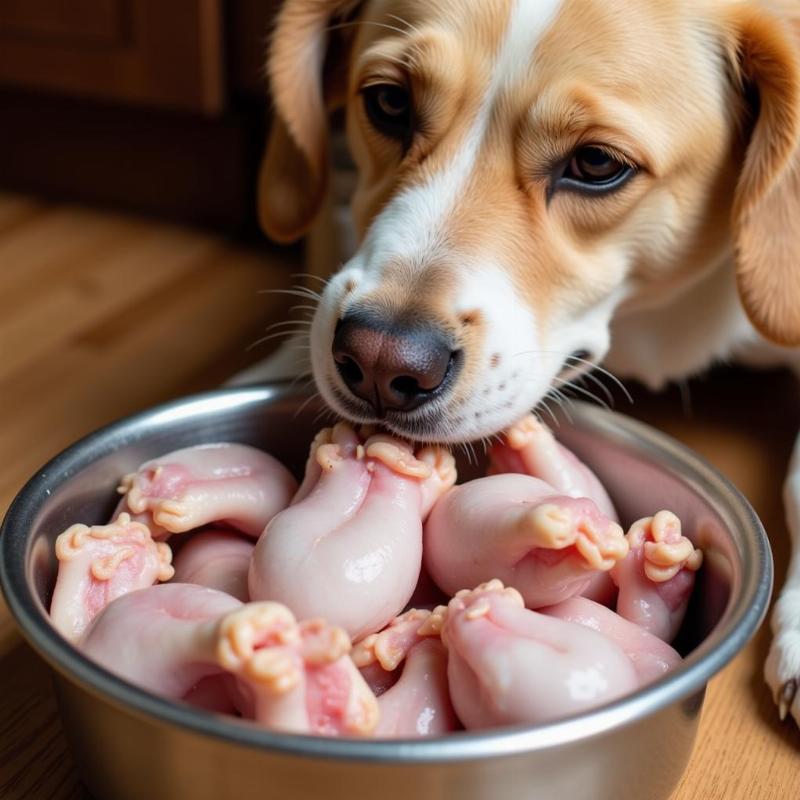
point(130, 744)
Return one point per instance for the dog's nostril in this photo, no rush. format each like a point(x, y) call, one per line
point(393, 367)
point(406, 385)
point(349, 370)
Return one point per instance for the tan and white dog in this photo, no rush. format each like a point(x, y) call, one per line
point(537, 179)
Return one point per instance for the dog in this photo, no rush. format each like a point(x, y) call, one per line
point(543, 185)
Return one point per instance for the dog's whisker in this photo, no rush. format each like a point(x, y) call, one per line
point(559, 398)
point(302, 275)
point(355, 22)
point(306, 294)
point(469, 453)
point(278, 335)
point(289, 332)
point(305, 404)
point(543, 404)
point(590, 376)
point(565, 404)
point(603, 371)
point(405, 22)
point(303, 323)
point(581, 390)
point(325, 412)
point(309, 381)
point(592, 365)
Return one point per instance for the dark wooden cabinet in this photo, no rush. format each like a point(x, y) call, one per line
point(165, 53)
point(156, 106)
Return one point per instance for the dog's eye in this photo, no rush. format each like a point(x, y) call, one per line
point(595, 169)
point(388, 108)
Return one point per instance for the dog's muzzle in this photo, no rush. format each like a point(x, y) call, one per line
point(393, 366)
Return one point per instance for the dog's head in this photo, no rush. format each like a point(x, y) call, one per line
point(526, 167)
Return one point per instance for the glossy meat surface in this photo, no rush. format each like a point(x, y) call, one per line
point(519, 529)
point(406, 666)
point(530, 448)
point(174, 640)
point(217, 559)
point(650, 656)
point(233, 484)
point(656, 579)
point(350, 547)
point(97, 564)
point(509, 665)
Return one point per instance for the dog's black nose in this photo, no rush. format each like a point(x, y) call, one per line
point(393, 367)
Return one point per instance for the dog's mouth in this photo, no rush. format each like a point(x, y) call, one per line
point(421, 425)
point(442, 417)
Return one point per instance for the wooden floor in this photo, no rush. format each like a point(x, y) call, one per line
point(101, 315)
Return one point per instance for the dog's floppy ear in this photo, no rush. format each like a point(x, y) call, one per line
point(765, 51)
point(294, 171)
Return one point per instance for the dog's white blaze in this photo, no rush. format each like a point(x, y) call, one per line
point(413, 230)
point(529, 21)
point(413, 227)
point(509, 388)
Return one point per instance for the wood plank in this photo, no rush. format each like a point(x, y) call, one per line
point(743, 752)
point(33, 318)
point(34, 759)
point(143, 337)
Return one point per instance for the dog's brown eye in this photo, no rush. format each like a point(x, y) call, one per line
point(594, 169)
point(389, 109)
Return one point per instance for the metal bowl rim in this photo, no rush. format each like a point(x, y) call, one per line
point(736, 627)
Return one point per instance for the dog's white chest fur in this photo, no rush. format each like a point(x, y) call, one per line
point(700, 326)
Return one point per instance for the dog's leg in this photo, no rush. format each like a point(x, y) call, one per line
point(782, 668)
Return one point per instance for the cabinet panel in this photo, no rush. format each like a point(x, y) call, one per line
point(134, 51)
point(77, 21)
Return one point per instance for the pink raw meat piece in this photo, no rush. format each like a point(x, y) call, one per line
point(175, 639)
point(519, 529)
point(650, 656)
point(350, 549)
point(232, 484)
point(530, 448)
point(407, 664)
point(296, 677)
point(508, 665)
point(418, 705)
point(217, 559)
point(657, 577)
point(162, 638)
point(100, 563)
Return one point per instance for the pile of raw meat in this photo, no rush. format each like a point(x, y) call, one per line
point(378, 598)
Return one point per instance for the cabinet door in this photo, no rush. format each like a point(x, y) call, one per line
point(151, 52)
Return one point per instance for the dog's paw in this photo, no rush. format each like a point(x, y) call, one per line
point(782, 672)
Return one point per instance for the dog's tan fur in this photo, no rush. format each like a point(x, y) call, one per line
point(702, 95)
point(671, 103)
